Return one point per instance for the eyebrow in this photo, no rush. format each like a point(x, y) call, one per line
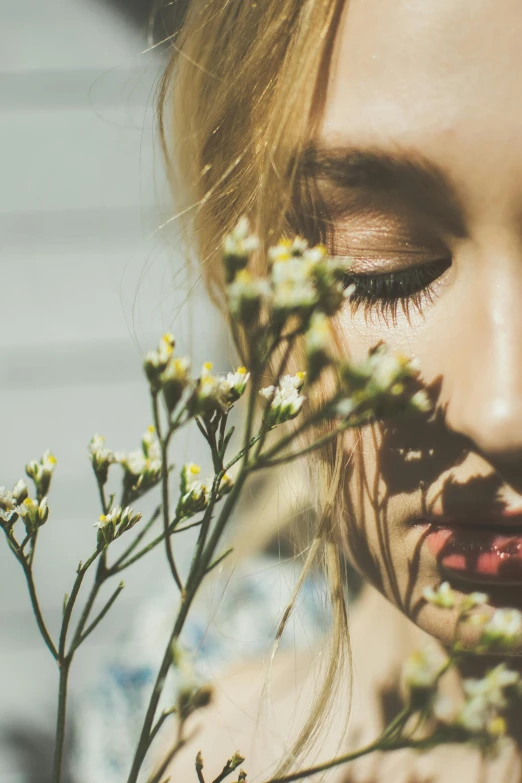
point(367, 172)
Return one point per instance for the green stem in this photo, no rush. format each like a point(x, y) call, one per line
point(101, 575)
point(32, 595)
point(100, 616)
point(165, 489)
point(197, 573)
point(103, 500)
point(141, 535)
point(347, 757)
point(173, 530)
point(219, 560)
point(61, 721)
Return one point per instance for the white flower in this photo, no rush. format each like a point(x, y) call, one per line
point(472, 600)
point(473, 716)
point(246, 294)
point(236, 381)
point(156, 361)
point(421, 669)
point(174, 380)
point(490, 689)
point(33, 513)
point(442, 596)
point(115, 523)
point(293, 285)
point(150, 444)
point(503, 629)
point(101, 457)
point(421, 401)
point(48, 461)
point(194, 495)
point(286, 249)
point(240, 242)
point(317, 339)
point(286, 402)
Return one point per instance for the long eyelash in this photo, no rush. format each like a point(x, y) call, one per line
point(386, 292)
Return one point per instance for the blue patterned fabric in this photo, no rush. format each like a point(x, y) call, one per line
point(234, 620)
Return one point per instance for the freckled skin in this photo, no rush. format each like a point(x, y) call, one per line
point(443, 79)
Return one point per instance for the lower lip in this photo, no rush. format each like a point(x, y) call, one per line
point(478, 553)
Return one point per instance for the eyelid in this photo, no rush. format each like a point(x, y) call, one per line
point(385, 263)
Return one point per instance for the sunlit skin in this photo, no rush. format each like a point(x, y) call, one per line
point(435, 84)
point(438, 83)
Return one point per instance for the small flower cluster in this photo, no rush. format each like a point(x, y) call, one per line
point(237, 248)
point(479, 718)
point(34, 514)
point(302, 280)
point(41, 472)
point(195, 494)
point(101, 458)
point(214, 394)
point(285, 399)
point(381, 385)
point(166, 372)
point(10, 502)
point(142, 467)
point(115, 523)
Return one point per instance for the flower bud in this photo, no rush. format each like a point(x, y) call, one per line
point(246, 295)
point(237, 248)
point(441, 596)
point(174, 380)
point(286, 401)
point(317, 346)
point(101, 458)
point(156, 361)
point(34, 514)
point(41, 473)
point(194, 495)
point(115, 523)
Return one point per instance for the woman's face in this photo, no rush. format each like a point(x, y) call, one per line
point(420, 162)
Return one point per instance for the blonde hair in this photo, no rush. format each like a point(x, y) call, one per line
point(239, 101)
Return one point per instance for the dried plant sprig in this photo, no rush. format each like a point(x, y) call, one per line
point(297, 299)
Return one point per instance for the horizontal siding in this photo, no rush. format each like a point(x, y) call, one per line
point(87, 284)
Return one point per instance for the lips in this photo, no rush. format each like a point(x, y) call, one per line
point(489, 551)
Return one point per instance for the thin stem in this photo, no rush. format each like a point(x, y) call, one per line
point(103, 500)
point(219, 560)
point(101, 575)
point(165, 489)
point(197, 573)
point(68, 612)
point(179, 744)
point(32, 595)
point(264, 430)
point(173, 530)
point(61, 721)
point(347, 757)
point(101, 615)
point(241, 453)
point(265, 462)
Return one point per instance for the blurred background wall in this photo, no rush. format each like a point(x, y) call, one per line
point(87, 284)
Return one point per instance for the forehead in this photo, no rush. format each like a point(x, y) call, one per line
point(440, 77)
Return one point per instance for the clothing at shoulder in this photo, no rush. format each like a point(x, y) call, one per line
point(233, 622)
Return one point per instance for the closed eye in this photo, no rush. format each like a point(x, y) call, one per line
point(386, 292)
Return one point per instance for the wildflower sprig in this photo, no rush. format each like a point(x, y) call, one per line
point(295, 301)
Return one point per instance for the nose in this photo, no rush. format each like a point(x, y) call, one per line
point(483, 386)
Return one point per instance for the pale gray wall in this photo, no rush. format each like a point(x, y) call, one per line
point(78, 212)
